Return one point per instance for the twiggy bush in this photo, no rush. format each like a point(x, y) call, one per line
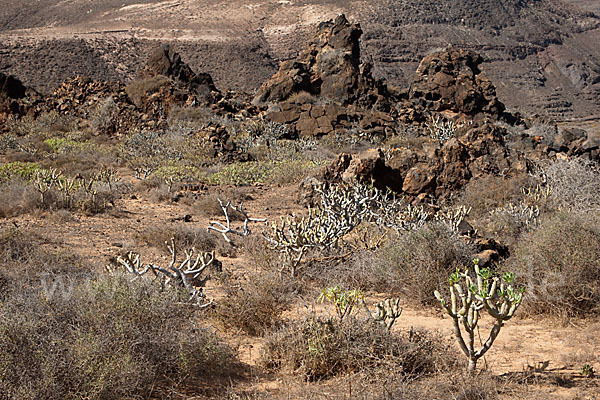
point(254, 304)
point(559, 262)
point(109, 340)
point(317, 348)
point(418, 262)
point(575, 185)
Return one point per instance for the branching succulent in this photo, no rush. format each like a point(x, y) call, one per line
point(186, 274)
point(109, 176)
point(341, 210)
point(440, 129)
point(344, 301)
point(453, 217)
point(225, 229)
point(469, 296)
point(295, 235)
point(386, 312)
point(44, 180)
point(526, 215)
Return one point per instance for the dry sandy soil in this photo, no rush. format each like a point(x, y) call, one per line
point(542, 345)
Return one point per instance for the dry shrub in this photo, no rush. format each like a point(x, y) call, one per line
point(26, 258)
point(490, 192)
point(417, 263)
point(575, 185)
point(255, 303)
point(140, 89)
point(560, 264)
point(185, 237)
point(316, 349)
point(17, 197)
point(106, 338)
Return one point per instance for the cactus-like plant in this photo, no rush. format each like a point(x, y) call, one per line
point(469, 296)
point(44, 180)
point(225, 229)
point(344, 301)
point(68, 187)
point(387, 312)
point(453, 217)
point(186, 274)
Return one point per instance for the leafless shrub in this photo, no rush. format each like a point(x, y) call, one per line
point(17, 197)
point(575, 184)
point(185, 236)
point(316, 349)
point(255, 303)
point(559, 263)
point(109, 339)
point(491, 192)
point(418, 262)
point(104, 120)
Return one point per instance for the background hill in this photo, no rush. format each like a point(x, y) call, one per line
point(543, 56)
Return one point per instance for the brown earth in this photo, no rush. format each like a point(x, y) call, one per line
point(524, 345)
point(543, 56)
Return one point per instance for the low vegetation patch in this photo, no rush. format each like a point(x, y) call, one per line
point(559, 263)
point(105, 338)
point(317, 348)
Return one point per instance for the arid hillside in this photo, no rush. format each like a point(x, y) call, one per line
point(543, 55)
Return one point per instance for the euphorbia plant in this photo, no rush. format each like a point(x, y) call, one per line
point(468, 296)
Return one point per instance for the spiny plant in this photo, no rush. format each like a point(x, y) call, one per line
point(468, 296)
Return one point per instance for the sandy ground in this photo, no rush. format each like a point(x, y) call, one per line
point(523, 344)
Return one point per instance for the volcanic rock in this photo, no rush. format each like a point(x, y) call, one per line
point(327, 86)
point(167, 62)
point(451, 80)
point(11, 87)
point(432, 169)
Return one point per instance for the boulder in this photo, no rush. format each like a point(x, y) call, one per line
point(11, 87)
point(430, 169)
point(451, 80)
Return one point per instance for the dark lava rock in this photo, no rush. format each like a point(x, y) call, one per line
point(451, 80)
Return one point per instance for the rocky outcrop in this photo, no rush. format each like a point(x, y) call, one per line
point(451, 80)
point(326, 88)
point(432, 170)
point(11, 87)
point(165, 61)
point(329, 67)
point(166, 81)
point(16, 100)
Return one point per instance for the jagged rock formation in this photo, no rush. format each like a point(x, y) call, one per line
point(329, 67)
point(16, 99)
point(166, 62)
point(451, 80)
point(542, 55)
point(166, 81)
point(326, 87)
point(433, 170)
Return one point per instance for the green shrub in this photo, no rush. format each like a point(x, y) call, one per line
point(24, 170)
point(65, 145)
point(252, 172)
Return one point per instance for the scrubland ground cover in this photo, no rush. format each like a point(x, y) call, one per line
point(75, 324)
